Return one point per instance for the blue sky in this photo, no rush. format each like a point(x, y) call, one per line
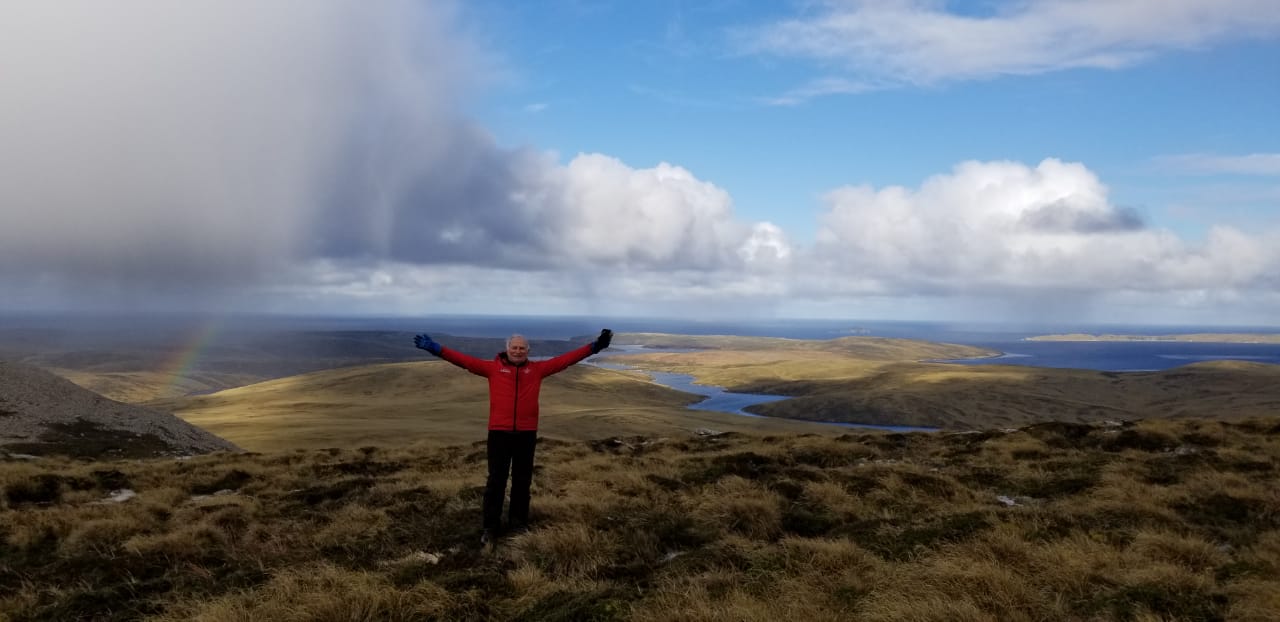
point(676, 82)
point(1110, 161)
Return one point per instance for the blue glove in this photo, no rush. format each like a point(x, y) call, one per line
point(602, 341)
point(424, 341)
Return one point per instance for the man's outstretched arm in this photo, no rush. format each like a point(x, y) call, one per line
point(479, 367)
point(562, 362)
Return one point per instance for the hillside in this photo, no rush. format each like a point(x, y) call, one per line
point(437, 403)
point(139, 363)
point(953, 396)
point(41, 413)
point(138, 387)
point(1160, 520)
point(845, 380)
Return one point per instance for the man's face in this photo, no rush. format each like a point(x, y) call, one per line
point(517, 350)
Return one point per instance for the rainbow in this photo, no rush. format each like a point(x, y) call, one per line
point(183, 360)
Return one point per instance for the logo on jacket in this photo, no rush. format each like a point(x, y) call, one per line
point(505, 370)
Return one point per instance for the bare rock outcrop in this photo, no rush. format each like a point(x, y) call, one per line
point(44, 414)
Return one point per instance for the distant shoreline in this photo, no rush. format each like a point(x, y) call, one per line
point(1187, 338)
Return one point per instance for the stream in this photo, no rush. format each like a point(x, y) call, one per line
point(717, 399)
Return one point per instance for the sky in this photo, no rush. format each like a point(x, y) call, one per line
point(1093, 161)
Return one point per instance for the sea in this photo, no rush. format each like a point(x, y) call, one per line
point(1008, 339)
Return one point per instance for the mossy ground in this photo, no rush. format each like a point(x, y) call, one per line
point(1154, 520)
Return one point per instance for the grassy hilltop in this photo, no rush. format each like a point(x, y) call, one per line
point(1162, 520)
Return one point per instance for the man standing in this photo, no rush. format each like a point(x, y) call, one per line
point(514, 383)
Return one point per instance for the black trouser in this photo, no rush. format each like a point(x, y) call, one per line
point(509, 451)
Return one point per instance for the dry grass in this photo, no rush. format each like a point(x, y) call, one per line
point(1161, 520)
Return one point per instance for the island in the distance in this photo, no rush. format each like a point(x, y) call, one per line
point(1197, 337)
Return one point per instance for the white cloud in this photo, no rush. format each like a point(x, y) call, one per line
point(1000, 228)
point(1264, 164)
point(919, 41)
point(1042, 240)
point(768, 247)
point(822, 87)
point(656, 218)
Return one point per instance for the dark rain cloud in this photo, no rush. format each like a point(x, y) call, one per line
point(451, 204)
point(158, 150)
point(1065, 217)
point(164, 144)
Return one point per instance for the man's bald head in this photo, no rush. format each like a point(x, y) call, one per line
point(517, 349)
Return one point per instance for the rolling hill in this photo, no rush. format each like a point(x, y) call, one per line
point(436, 403)
point(41, 413)
point(865, 380)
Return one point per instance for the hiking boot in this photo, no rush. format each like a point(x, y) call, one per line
point(488, 536)
point(516, 528)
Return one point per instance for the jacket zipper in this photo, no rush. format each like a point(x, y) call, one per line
point(515, 400)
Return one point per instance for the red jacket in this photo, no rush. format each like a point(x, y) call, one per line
point(513, 389)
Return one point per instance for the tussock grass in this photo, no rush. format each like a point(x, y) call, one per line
point(319, 592)
point(1157, 520)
